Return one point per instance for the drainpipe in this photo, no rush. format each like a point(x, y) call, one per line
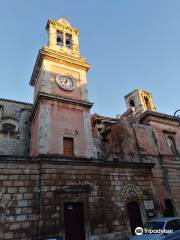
point(164, 171)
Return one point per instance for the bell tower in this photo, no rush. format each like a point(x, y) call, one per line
point(62, 37)
point(140, 100)
point(61, 115)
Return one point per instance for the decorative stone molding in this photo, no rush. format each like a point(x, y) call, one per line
point(76, 189)
point(131, 191)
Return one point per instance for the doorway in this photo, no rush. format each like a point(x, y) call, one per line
point(169, 211)
point(134, 216)
point(74, 221)
point(68, 144)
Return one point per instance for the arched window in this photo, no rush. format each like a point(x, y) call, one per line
point(172, 145)
point(68, 40)
point(59, 38)
point(132, 103)
point(8, 127)
point(147, 102)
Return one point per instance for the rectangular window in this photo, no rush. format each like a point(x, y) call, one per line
point(172, 144)
point(68, 144)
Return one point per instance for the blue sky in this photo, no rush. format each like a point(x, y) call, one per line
point(130, 44)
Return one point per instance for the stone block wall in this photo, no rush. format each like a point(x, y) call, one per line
point(172, 171)
point(19, 198)
point(18, 141)
point(33, 192)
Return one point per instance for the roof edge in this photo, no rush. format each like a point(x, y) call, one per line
point(156, 114)
point(15, 101)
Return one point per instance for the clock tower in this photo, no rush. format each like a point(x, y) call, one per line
point(61, 115)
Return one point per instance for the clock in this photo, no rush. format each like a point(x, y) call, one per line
point(65, 82)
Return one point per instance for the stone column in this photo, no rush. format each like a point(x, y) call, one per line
point(52, 37)
point(75, 44)
point(64, 39)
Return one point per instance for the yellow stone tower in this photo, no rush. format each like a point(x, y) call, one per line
point(63, 37)
point(140, 100)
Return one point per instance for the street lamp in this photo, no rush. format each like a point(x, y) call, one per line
point(177, 115)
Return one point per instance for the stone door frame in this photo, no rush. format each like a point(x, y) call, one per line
point(142, 212)
point(74, 196)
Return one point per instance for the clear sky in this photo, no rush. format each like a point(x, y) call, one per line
point(130, 44)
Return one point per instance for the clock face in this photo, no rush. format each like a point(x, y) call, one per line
point(65, 82)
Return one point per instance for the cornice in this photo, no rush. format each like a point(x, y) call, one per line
point(61, 23)
point(156, 117)
point(61, 160)
point(63, 58)
point(66, 100)
point(16, 101)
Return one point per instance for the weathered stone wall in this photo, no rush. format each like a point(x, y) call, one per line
point(145, 139)
point(172, 171)
point(167, 167)
point(33, 193)
point(55, 120)
point(134, 141)
point(161, 131)
point(16, 113)
point(19, 199)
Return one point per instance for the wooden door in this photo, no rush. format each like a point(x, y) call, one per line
point(74, 221)
point(68, 144)
point(169, 211)
point(134, 216)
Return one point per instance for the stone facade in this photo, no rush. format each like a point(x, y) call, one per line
point(17, 141)
point(166, 132)
point(122, 172)
point(146, 137)
point(140, 100)
point(33, 193)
